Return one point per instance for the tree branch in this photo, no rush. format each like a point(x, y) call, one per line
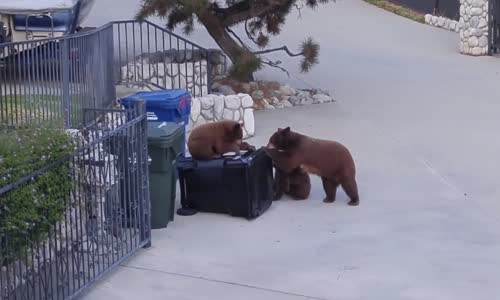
point(249, 35)
point(284, 48)
point(275, 65)
point(238, 38)
point(247, 9)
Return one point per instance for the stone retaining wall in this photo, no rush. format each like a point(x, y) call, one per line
point(442, 22)
point(185, 69)
point(218, 107)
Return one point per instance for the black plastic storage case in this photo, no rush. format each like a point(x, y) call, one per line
point(238, 185)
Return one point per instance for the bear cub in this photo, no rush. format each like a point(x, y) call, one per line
point(330, 160)
point(296, 184)
point(212, 140)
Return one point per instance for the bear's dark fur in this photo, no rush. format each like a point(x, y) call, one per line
point(330, 160)
point(212, 140)
point(296, 184)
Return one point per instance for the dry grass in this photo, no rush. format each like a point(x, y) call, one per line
point(398, 10)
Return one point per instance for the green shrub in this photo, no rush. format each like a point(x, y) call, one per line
point(28, 211)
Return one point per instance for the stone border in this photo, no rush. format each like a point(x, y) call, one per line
point(442, 22)
point(474, 27)
point(272, 95)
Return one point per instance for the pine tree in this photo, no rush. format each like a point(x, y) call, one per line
point(261, 18)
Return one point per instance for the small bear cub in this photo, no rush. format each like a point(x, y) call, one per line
point(212, 140)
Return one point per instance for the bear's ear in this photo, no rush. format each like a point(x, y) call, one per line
point(236, 129)
point(286, 130)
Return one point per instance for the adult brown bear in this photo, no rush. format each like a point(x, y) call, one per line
point(296, 184)
point(330, 160)
point(212, 140)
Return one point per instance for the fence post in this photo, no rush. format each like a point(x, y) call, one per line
point(474, 24)
point(65, 83)
point(209, 73)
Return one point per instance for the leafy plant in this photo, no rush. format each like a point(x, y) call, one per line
point(28, 211)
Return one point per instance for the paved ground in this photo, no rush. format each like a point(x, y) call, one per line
point(422, 123)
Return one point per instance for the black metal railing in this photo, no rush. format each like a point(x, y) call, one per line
point(54, 79)
point(150, 56)
point(493, 26)
point(73, 218)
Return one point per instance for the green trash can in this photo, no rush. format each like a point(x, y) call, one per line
point(165, 143)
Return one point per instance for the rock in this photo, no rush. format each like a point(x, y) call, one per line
point(473, 41)
point(206, 102)
point(286, 103)
point(275, 94)
point(232, 102)
point(474, 21)
point(258, 105)
point(462, 10)
point(477, 3)
point(476, 51)
point(237, 115)
point(434, 20)
point(321, 98)
point(254, 86)
point(227, 114)
point(283, 98)
point(441, 21)
point(428, 18)
point(268, 106)
point(249, 121)
point(453, 25)
point(208, 114)
point(278, 105)
point(482, 23)
point(246, 88)
point(476, 32)
point(195, 109)
point(301, 98)
point(247, 101)
point(447, 24)
point(218, 107)
point(257, 95)
point(306, 101)
point(245, 134)
point(483, 41)
point(476, 11)
point(274, 100)
point(466, 34)
point(466, 48)
point(287, 90)
point(467, 11)
point(226, 90)
point(200, 121)
point(215, 86)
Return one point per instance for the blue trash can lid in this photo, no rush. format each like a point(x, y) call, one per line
point(166, 99)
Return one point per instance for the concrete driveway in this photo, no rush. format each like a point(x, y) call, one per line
point(422, 123)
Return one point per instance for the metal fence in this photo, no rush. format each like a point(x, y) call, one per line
point(64, 225)
point(55, 79)
point(150, 56)
point(493, 26)
point(445, 8)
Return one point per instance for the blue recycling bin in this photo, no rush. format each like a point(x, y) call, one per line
point(164, 106)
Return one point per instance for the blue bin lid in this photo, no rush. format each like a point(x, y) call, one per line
point(165, 99)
